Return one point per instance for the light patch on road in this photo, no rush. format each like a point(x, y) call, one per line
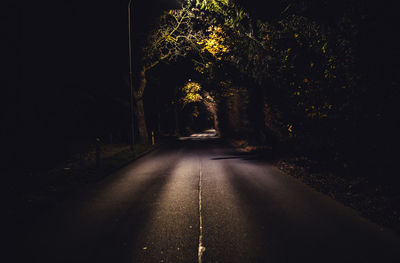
point(201, 247)
point(205, 135)
point(172, 211)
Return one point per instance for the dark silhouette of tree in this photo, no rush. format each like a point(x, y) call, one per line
point(175, 36)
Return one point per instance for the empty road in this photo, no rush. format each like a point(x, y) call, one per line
point(197, 200)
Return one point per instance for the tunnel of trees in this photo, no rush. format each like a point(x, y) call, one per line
point(315, 77)
point(305, 76)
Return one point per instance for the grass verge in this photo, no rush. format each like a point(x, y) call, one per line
point(38, 192)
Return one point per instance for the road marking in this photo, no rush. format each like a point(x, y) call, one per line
point(201, 247)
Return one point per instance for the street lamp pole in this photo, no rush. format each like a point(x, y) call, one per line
point(131, 74)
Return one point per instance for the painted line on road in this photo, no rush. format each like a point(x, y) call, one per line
point(201, 247)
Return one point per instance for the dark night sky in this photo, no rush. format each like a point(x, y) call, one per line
point(64, 58)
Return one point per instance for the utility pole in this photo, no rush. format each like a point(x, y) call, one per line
point(131, 75)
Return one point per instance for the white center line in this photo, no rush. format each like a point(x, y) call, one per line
point(201, 247)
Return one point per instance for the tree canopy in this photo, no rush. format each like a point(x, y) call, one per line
point(301, 71)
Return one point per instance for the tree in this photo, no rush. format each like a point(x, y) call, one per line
point(302, 68)
point(176, 36)
point(181, 33)
point(192, 92)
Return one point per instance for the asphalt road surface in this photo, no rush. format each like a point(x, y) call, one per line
point(199, 201)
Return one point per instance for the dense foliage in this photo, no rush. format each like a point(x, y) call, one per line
point(301, 71)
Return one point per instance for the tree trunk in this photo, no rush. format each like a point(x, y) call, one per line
point(141, 118)
point(211, 106)
point(215, 118)
point(138, 95)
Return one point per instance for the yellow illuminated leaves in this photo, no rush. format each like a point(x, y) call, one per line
point(291, 130)
point(324, 47)
point(191, 92)
point(202, 68)
point(215, 43)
